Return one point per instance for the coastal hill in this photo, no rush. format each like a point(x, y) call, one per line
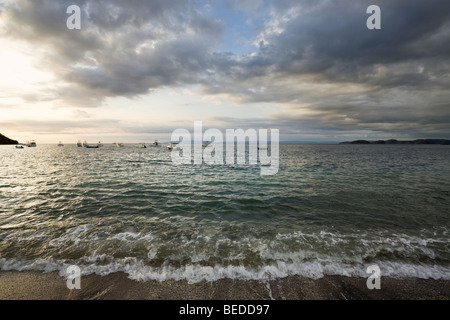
point(393, 141)
point(6, 140)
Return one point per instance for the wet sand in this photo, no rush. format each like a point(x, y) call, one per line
point(15, 285)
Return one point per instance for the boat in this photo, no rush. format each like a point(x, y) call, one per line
point(119, 145)
point(19, 147)
point(90, 146)
point(79, 144)
point(156, 144)
point(31, 144)
point(60, 144)
point(142, 146)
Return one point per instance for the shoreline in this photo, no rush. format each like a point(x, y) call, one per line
point(34, 285)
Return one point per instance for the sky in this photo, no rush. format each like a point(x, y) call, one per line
point(137, 70)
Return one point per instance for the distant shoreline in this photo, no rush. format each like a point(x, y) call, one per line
point(393, 141)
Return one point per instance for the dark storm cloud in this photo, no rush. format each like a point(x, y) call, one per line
point(124, 48)
point(402, 69)
point(341, 50)
point(315, 58)
point(331, 40)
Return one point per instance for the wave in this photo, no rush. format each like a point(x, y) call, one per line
point(209, 255)
point(138, 270)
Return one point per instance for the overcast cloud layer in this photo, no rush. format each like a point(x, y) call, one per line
point(315, 59)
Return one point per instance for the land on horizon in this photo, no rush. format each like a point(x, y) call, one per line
point(394, 141)
point(7, 141)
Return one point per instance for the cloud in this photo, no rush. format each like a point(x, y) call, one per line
point(123, 49)
point(330, 40)
point(321, 54)
point(314, 59)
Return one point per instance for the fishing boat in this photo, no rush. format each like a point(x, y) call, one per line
point(19, 147)
point(119, 145)
point(79, 144)
point(88, 146)
point(156, 144)
point(31, 144)
point(142, 146)
point(60, 144)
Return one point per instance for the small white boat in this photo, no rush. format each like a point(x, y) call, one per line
point(31, 144)
point(142, 146)
point(60, 144)
point(119, 145)
point(156, 144)
point(19, 147)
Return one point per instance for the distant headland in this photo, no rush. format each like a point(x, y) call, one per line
point(393, 141)
point(6, 140)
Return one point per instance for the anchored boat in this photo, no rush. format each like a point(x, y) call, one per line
point(31, 144)
point(156, 144)
point(90, 146)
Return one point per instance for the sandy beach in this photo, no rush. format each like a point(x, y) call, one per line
point(16, 285)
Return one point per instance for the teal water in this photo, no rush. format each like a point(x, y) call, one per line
point(331, 209)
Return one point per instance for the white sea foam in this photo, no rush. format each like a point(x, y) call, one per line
point(74, 235)
point(138, 270)
point(132, 236)
point(312, 255)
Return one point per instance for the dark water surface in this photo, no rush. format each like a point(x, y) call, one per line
point(331, 209)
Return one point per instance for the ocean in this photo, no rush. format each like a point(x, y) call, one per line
point(330, 210)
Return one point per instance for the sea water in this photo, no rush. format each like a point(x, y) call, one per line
point(330, 210)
